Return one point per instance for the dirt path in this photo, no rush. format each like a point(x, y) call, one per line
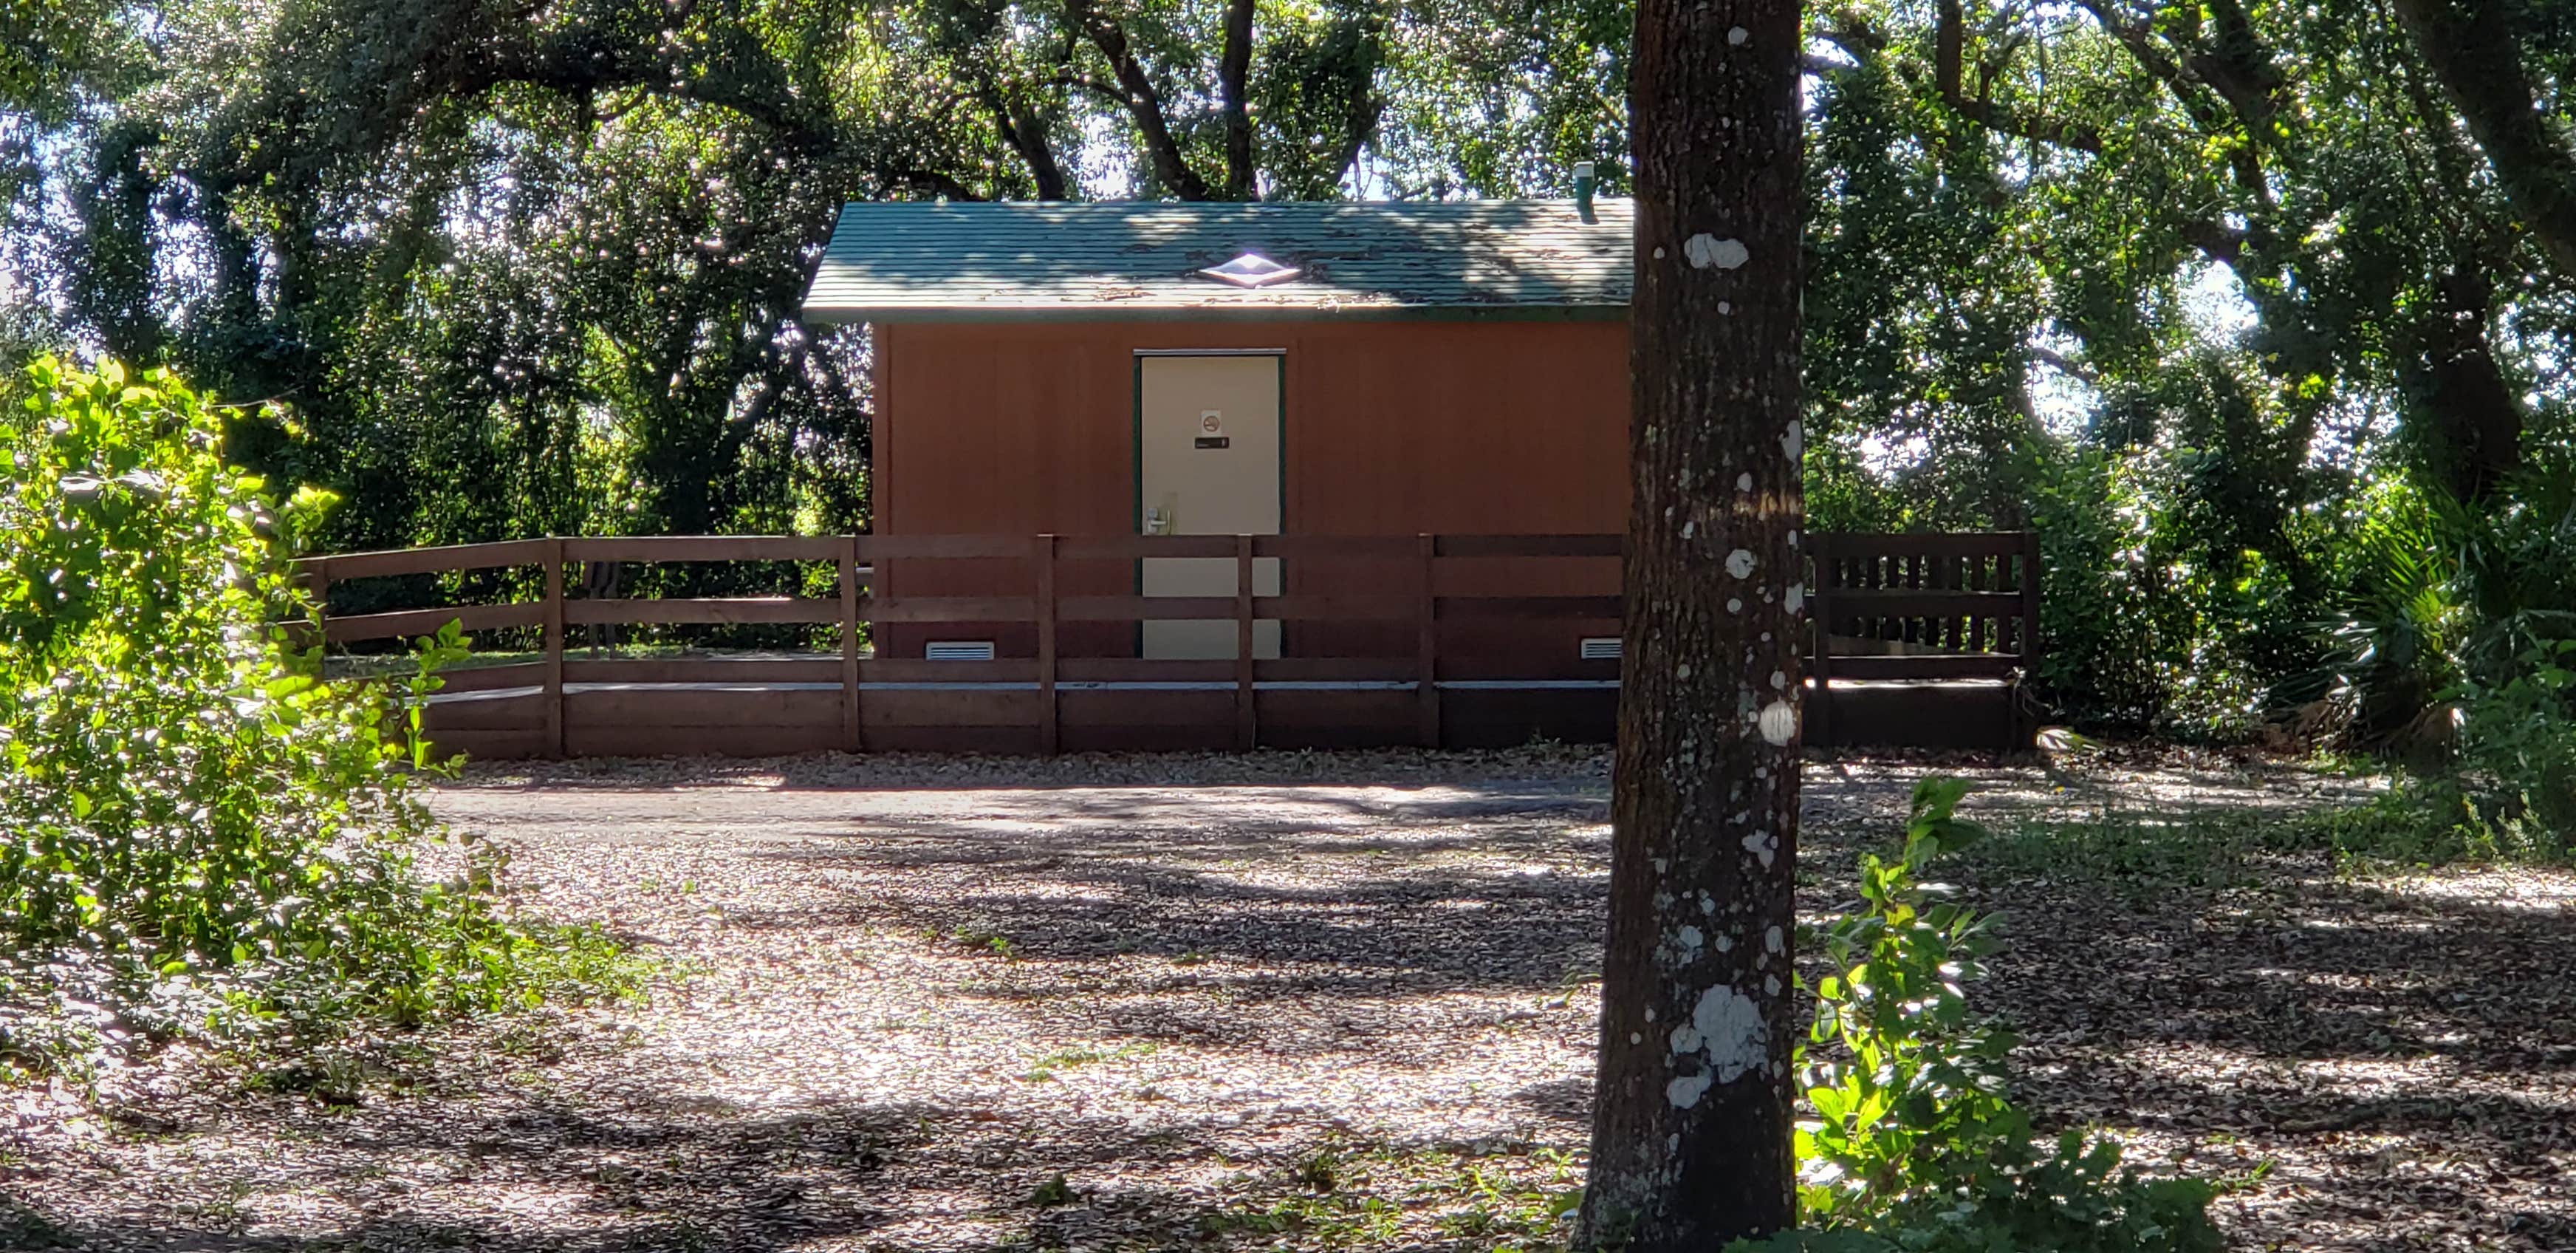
point(1298, 1002)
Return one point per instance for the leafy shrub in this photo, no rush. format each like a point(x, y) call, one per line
point(2518, 753)
point(2507, 791)
point(195, 833)
point(2454, 658)
point(1914, 1143)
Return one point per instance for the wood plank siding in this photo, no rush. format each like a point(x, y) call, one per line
point(1391, 427)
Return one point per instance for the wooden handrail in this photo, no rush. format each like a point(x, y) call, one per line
point(1943, 606)
point(445, 558)
point(1902, 578)
point(657, 548)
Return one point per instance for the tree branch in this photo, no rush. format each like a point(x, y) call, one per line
point(2223, 244)
point(1949, 41)
point(2480, 68)
point(1142, 102)
point(2237, 67)
point(1025, 132)
point(2245, 163)
point(1234, 69)
point(2065, 365)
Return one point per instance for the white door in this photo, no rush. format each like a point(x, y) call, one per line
point(1207, 463)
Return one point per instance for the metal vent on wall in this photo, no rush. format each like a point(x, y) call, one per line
point(1601, 648)
point(960, 650)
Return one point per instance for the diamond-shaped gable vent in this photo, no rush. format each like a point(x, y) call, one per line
point(1251, 270)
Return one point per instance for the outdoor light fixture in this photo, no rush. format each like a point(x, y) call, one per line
point(1251, 270)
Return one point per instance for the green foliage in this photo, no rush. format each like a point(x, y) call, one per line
point(2453, 658)
point(1914, 1143)
point(2147, 858)
point(2506, 790)
point(194, 832)
point(2518, 759)
point(1915, 1084)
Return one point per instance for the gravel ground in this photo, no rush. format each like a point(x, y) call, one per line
point(1294, 1001)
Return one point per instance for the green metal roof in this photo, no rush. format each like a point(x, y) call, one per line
point(912, 260)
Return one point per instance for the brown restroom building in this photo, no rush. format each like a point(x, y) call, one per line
point(1382, 369)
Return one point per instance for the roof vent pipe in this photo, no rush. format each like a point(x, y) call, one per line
point(1583, 185)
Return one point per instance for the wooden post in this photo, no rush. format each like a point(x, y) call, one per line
point(1949, 582)
point(1819, 718)
point(2029, 633)
point(1426, 647)
point(850, 732)
point(1246, 732)
point(317, 585)
point(554, 696)
point(1042, 558)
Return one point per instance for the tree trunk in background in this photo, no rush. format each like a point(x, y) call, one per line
point(2478, 60)
point(1690, 1140)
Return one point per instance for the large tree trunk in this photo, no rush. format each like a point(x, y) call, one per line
point(1690, 1140)
point(2471, 418)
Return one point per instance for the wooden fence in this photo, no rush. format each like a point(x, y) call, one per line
point(1428, 639)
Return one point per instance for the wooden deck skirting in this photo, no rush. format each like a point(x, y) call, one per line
point(1925, 639)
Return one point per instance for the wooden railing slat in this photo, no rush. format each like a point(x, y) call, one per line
point(653, 548)
point(1331, 547)
point(1902, 602)
point(1335, 608)
point(1872, 545)
point(1142, 670)
point(886, 547)
point(556, 641)
point(730, 610)
point(923, 670)
point(436, 560)
point(1246, 730)
point(1137, 547)
point(817, 669)
point(853, 728)
point(400, 622)
point(1050, 714)
point(1426, 641)
point(1924, 665)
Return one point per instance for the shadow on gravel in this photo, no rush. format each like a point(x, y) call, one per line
point(2398, 1051)
point(563, 1180)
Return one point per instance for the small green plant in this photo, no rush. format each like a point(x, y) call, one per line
point(1901, 1078)
point(1065, 1059)
point(2517, 779)
point(1914, 1143)
point(2507, 792)
point(1320, 1171)
point(977, 939)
